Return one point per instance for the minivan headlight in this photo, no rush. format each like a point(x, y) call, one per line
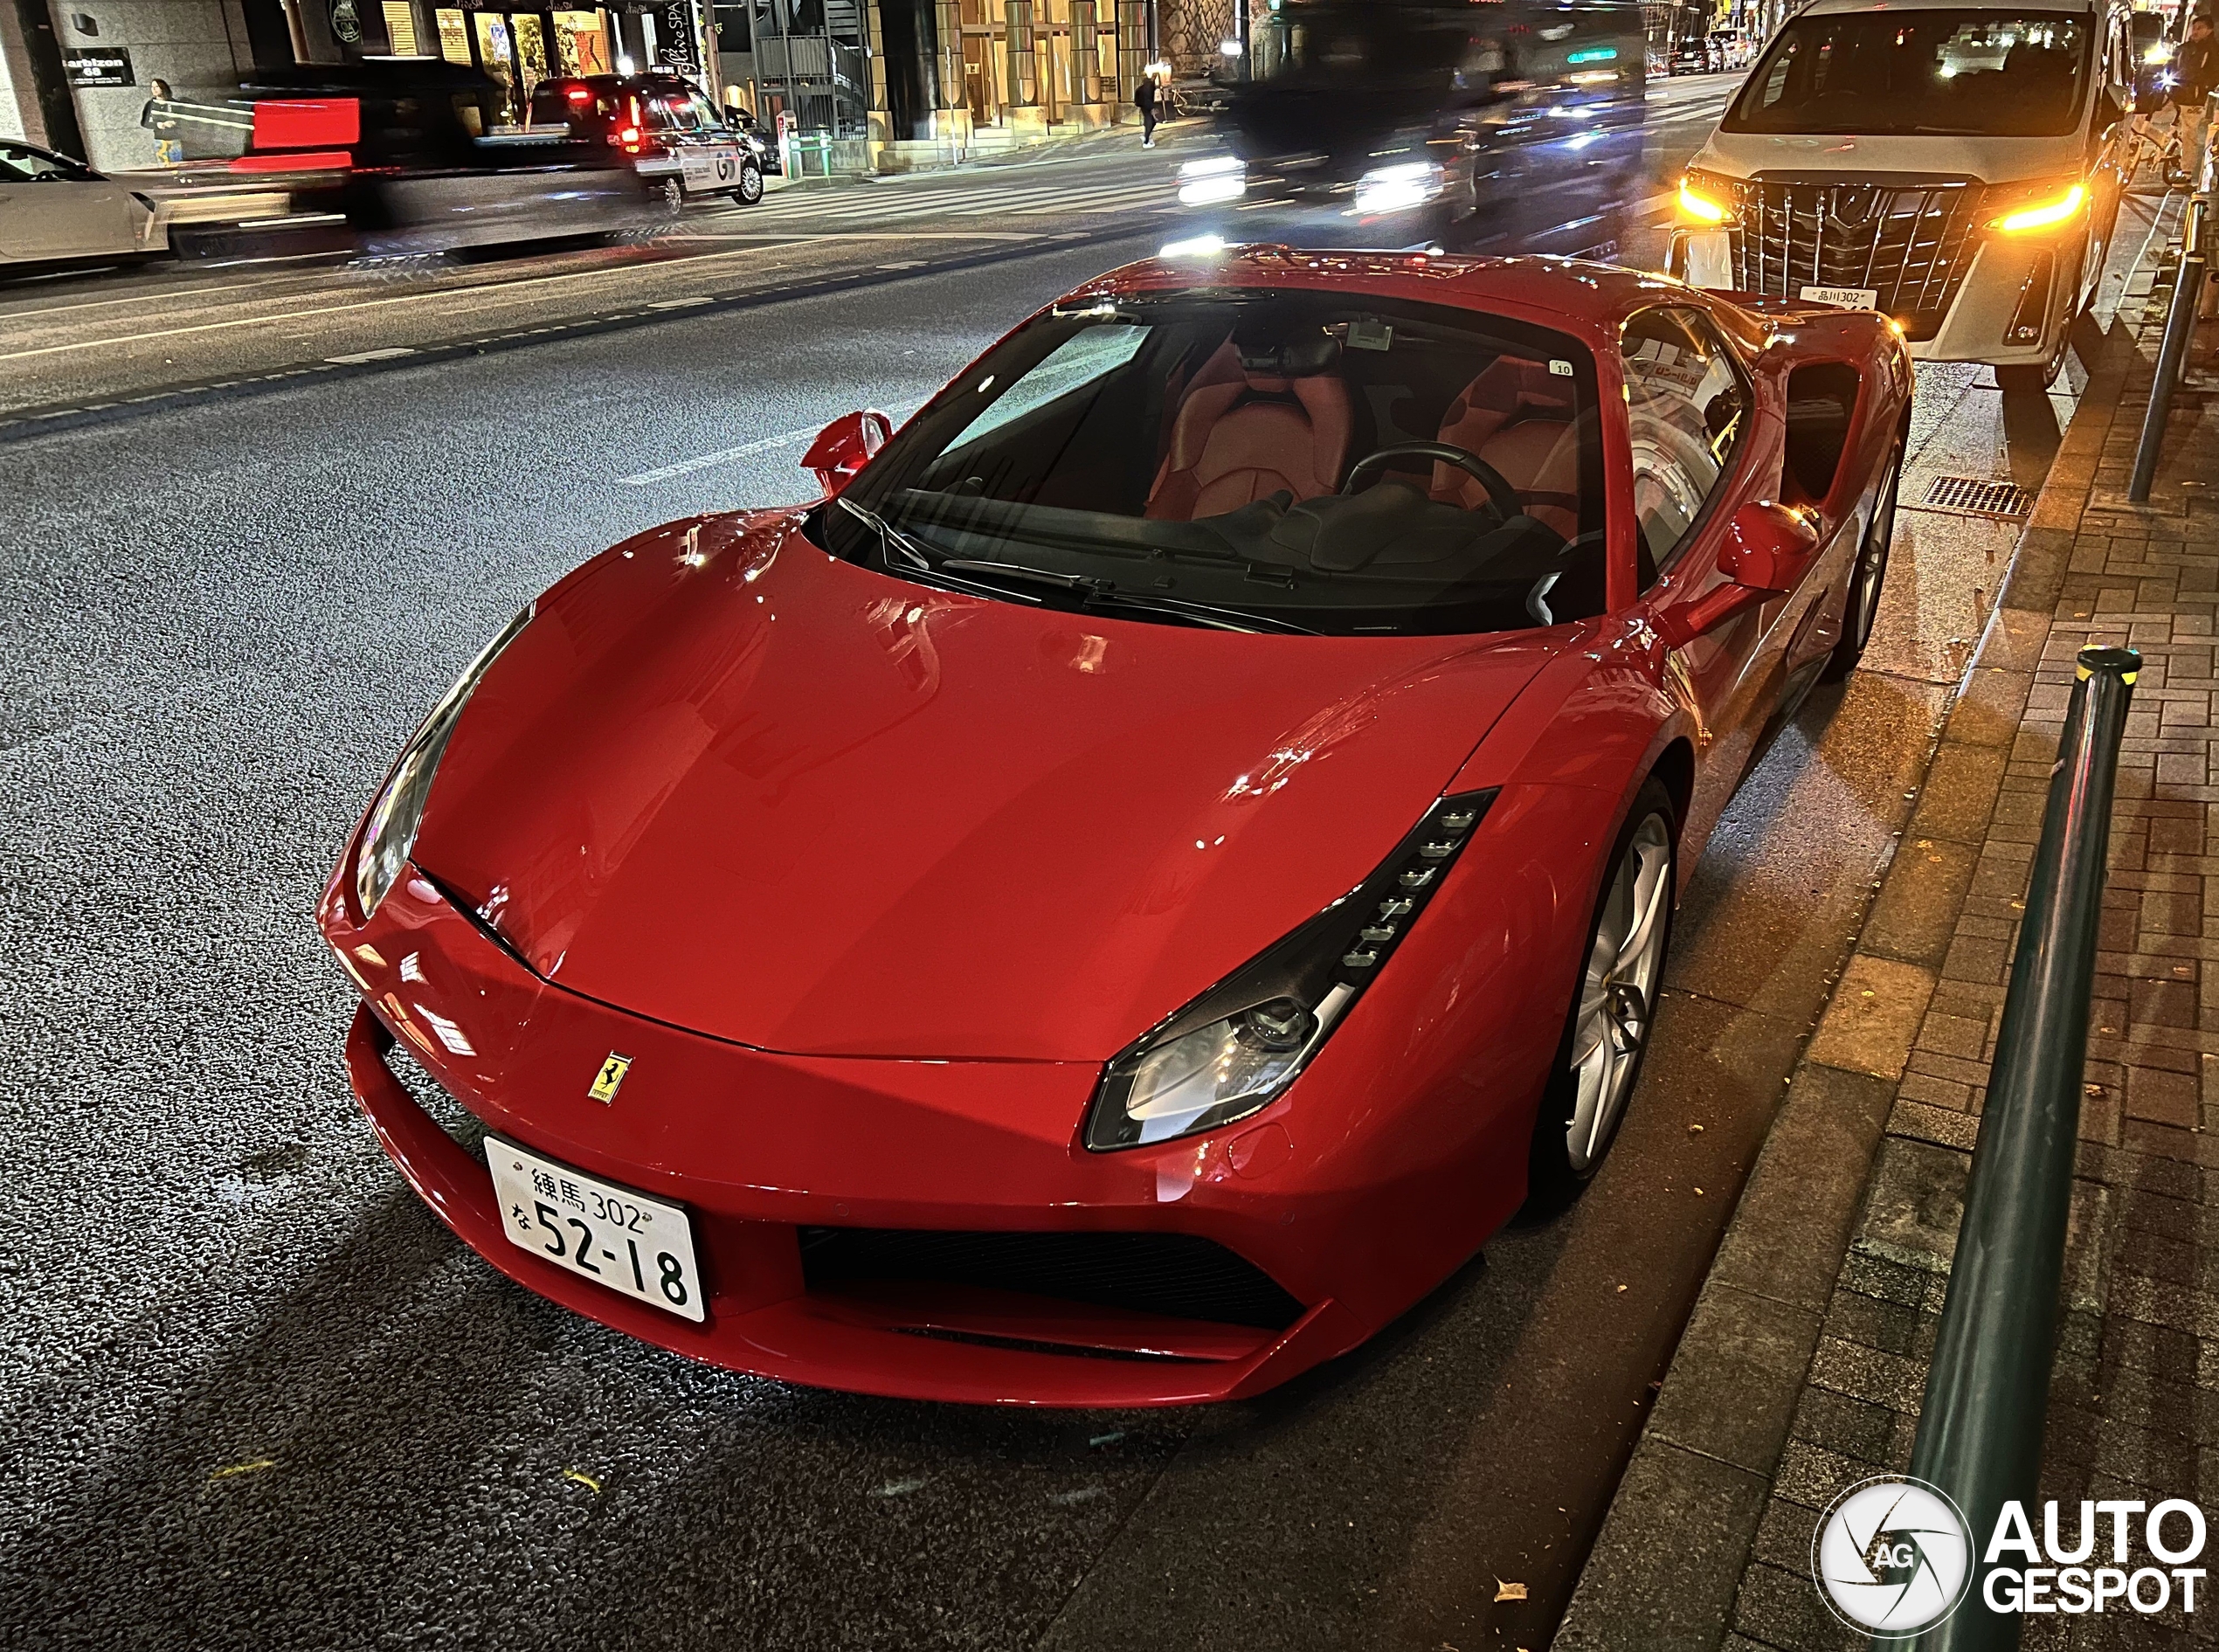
point(1704, 201)
point(388, 836)
point(1236, 1049)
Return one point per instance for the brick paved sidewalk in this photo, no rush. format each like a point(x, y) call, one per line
point(1802, 1369)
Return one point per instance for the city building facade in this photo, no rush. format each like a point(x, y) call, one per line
point(887, 84)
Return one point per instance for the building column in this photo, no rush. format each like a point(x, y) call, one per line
point(41, 89)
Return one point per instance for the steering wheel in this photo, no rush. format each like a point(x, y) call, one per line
point(1498, 487)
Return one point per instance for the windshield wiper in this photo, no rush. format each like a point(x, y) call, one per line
point(1102, 593)
point(982, 576)
point(1201, 613)
point(1018, 570)
point(890, 538)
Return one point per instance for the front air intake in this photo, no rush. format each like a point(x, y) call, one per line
point(1177, 1275)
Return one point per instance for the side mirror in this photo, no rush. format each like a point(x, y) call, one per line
point(1768, 551)
point(2109, 110)
point(844, 447)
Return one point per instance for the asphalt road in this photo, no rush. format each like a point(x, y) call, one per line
point(251, 1392)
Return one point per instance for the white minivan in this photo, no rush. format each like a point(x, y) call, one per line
point(1953, 166)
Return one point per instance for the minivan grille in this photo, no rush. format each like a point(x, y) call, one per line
point(1912, 243)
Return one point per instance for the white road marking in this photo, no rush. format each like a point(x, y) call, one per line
point(493, 289)
point(899, 414)
point(360, 357)
point(686, 466)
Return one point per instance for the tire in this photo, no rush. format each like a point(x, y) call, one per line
point(1869, 576)
point(750, 189)
point(2030, 381)
point(2037, 377)
point(1614, 1006)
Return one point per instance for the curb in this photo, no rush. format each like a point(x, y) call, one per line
point(31, 423)
point(1667, 1564)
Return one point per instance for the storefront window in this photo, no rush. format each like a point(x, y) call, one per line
point(531, 51)
point(400, 28)
point(582, 43)
point(1105, 42)
point(454, 36)
point(1022, 71)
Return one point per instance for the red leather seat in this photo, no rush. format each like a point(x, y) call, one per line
point(1517, 417)
point(1242, 432)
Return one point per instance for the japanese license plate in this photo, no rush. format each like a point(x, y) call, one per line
point(626, 1240)
point(1848, 298)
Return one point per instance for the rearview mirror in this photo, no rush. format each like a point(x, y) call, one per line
point(844, 447)
point(1768, 551)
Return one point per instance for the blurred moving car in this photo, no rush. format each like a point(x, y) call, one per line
point(677, 139)
point(398, 157)
point(1416, 123)
point(54, 210)
point(1955, 167)
point(1307, 680)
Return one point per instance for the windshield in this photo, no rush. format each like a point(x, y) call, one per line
point(1889, 74)
point(1183, 460)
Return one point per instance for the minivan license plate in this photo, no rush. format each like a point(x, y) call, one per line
point(1848, 298)
point(638, 1246)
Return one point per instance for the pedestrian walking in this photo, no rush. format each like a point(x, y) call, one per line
point(160, 118)
point(2196, 72)
point(1143, 99)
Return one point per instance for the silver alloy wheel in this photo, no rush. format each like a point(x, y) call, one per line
point(1618, 992)
point(1872, 566)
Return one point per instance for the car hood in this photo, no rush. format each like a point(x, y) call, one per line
point(734, 784)
point(1742, 155)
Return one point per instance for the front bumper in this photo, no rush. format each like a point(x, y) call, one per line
point(1985, 320)
point(770, 1152)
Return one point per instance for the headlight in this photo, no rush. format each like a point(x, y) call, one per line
point(1236, 1049)
point(1704, 201)
point(1212, 180)
point(388, 836)
point(2046, 211)
point(1393, 188)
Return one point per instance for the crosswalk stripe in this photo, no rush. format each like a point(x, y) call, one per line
point(969, 203)
point(1029, 203)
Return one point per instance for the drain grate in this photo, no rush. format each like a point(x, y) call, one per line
point(1969, 496)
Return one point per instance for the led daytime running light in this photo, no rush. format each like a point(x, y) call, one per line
point(1700, 206)
point(2043, 215)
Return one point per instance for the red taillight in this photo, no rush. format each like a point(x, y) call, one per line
point(629, 135)
point(577, 94)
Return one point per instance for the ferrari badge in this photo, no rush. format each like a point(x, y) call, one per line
point(611, 1075)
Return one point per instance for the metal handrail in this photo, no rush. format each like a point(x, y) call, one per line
point(2172, 362)
point(1981, 1426)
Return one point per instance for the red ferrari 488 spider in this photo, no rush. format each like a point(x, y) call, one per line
point(1162, 860)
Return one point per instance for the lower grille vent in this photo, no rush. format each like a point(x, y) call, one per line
point(1175, 1275)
